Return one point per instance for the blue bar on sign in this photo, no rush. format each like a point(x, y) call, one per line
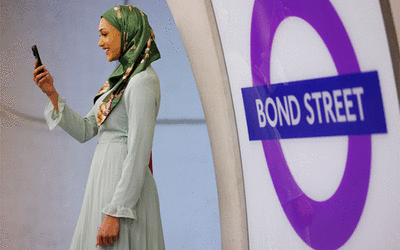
point(341, 105)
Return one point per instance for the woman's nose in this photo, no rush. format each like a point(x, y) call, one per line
point(100, 43)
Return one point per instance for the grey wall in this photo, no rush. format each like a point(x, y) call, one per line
point(43, 173)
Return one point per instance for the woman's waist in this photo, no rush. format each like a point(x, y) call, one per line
point(111, 138)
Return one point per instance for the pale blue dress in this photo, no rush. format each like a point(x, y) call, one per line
point(120, 183)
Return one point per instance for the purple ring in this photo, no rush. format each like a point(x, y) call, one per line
point(328, 224)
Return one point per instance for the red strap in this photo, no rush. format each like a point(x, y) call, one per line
point(151, 163)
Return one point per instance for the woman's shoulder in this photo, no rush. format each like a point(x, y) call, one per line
point(147, 79)
point(148, 76)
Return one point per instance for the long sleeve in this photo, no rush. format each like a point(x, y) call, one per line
point(142, 101)
point(81, 128)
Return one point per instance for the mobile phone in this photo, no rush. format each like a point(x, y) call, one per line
point(36, 54)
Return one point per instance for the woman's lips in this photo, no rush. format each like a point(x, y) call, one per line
point(106, 51)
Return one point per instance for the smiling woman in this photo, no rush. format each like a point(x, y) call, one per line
point(120, 208)
point(110, 40)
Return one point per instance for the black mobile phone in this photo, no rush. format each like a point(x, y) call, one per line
point(36, 54)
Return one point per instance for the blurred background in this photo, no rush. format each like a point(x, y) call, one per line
point(43, 173)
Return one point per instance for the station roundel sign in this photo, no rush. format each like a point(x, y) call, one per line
point(330, 223)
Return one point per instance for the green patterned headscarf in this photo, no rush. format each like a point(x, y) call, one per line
point(138, 51)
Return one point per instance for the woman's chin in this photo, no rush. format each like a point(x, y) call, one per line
point(111, 58)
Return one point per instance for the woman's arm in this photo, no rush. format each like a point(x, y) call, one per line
point(58, 113)
point(81, 128)
point(142, 96)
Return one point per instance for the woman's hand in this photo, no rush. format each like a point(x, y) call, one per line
point(44, 81)
point(108, 231)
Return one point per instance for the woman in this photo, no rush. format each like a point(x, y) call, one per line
point(120, 208)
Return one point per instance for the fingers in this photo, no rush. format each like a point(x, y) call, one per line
point(109, 240)
point(103, 240)
point(39, 79)
point(38, 70)
point(39, 73)
point(115, 238)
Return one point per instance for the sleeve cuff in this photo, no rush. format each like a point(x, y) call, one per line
point(50, 114)
point(117, 211)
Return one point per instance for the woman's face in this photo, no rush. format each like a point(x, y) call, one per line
point(110, 40)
